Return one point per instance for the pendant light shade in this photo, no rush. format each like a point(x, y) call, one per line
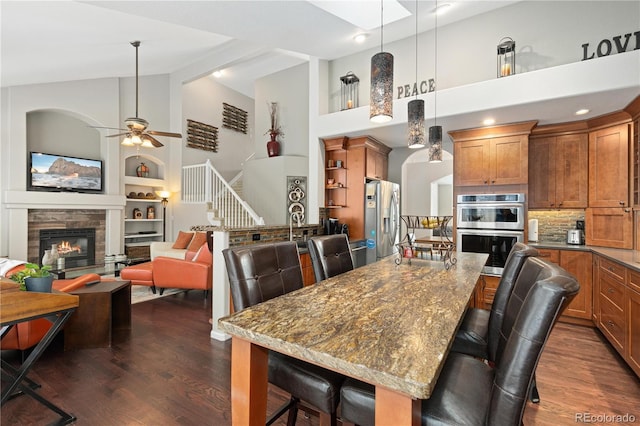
point(415, 113)
point(381, 103)
point(435, 144)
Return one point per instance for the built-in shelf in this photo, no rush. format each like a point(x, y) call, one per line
point(134, 236)
point(143, 220)
point(144, 200)
point(135, 180)
point(335, 207)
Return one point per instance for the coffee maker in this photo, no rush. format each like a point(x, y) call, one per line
point(331, 226)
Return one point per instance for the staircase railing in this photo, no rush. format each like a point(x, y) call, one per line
point(201, 183)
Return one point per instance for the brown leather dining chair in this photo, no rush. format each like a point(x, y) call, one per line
point(473, 335)
point(260, 272)
point(470, 392)
point(330, 255)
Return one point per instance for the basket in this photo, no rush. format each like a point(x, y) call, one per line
point(137, 251)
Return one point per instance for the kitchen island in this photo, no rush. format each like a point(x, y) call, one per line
point(385, 324)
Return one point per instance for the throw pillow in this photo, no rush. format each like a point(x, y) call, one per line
point(198, 239)
point(183, 240)
point(203, 255)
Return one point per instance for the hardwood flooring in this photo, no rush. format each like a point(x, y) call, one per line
point(168, 371)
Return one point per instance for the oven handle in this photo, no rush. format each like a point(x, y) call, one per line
point(491, 205)
point(497, 232)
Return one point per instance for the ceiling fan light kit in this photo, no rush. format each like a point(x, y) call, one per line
point(136, 133)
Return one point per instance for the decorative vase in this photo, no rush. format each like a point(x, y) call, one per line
point(53, 256)
point(39, 284)
point(273, 146)
point(142, 170)
point(46, 258)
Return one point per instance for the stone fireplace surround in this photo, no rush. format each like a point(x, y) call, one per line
point(65, 219)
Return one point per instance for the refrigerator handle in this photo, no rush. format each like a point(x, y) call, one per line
point(393, 219)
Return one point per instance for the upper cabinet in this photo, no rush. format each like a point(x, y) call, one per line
point(609, 166)
point(559, 177)
point(491, 156)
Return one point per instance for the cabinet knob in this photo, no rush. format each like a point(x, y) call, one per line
point(552, 204)
point(560, 203)
point(610, 290)
point(493, 181)
point(486, 182)
point(622, 203)
point(610, 323)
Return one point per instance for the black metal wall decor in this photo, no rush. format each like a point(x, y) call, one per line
point(234, 118)
point(202, 136)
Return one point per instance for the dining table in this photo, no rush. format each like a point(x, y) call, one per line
point(387, 324)
point(18, 306)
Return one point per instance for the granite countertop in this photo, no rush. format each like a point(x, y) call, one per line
point(384, 324)
point(628, 258)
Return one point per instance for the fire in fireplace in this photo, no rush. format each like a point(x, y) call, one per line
point(76, 246)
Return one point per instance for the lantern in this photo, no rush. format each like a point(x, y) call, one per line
point(506, 57)
point(349, 93)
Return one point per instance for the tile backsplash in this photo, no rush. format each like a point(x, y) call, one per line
point(554, 224)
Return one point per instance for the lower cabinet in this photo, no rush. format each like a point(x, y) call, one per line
point(617, 308)
point(308, 277)
point(578, 263)
point(485, 291)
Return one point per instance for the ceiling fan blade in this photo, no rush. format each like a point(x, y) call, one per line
point(117, 134)
point(155, 142)
point(168, 134)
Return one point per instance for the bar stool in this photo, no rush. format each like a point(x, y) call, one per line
point(260, 272)
point(330, 255)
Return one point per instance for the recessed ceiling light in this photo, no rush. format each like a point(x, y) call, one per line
point(360, 38)
point(582, 111)
point(217, 73)
point(489, 121)
point(443, 8)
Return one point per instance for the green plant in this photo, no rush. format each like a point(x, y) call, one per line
point(31, 270)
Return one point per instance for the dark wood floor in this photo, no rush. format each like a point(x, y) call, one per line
point(169, 372)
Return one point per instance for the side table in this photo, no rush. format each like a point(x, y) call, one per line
point(105, 308)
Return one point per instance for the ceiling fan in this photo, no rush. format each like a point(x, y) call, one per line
point(136, 133)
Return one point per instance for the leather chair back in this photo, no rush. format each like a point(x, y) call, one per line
point(542, 291)
point(330, 255)
point(512, 267)
point(260, 272)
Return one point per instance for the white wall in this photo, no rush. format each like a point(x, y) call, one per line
point(547, 34)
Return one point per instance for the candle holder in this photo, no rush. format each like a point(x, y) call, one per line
point(506, 57)
point(349, 91)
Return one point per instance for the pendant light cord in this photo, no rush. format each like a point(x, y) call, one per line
point(381, 24)
point(435, 72)
point(416, 46)
point(136, 44)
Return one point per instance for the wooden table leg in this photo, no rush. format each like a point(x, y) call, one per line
point(248, 383)
point(393, 408)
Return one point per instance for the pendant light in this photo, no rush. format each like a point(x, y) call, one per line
point(435, 131)
point(415, 109)
point(381, 99)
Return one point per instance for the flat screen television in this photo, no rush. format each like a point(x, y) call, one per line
point(59, 173)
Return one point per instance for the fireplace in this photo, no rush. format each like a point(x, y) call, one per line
point(76, 245)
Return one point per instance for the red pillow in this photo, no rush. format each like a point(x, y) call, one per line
point(198, 239)
point(203, 255)
point(183, 240)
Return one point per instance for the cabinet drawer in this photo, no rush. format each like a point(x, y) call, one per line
point(612, 289)
point(612, 323)
point(550, 255)
point(634, 280)
point(614, 268)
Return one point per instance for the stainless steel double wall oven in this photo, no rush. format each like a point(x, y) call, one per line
point(492, 224)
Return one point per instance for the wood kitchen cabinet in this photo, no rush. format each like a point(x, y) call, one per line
point(609, 166)
point(491, 156)
point(559, 177)
point(578, 263)
point(633, 320)
point(308, 277)
point(485, 291)
point(609, 227)
point(362, 158)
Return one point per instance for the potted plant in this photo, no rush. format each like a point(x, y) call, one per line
point(34, 278)
point(273, 146)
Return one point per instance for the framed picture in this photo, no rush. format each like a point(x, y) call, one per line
point(151, 212)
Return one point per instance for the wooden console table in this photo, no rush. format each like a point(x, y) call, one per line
point(105, 308)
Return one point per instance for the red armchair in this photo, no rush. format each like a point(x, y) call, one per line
point(193, 273)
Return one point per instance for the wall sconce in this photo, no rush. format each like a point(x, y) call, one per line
point(349, 92)
point(506, 57)
point(165, 200)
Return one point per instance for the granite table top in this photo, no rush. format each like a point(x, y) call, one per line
point(385, 324)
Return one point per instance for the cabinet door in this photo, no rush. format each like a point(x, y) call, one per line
point(611, 227)
point(376, 167)
point(633, 328)
point(485, 291)
point(509, 160)
point(579, 263)
point(471, 162)
point(542, 176)
point(571, 171)
point(609, 167)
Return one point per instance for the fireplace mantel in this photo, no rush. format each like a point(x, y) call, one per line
point(52, 200)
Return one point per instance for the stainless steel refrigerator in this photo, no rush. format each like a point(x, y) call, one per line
point(381, 219)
